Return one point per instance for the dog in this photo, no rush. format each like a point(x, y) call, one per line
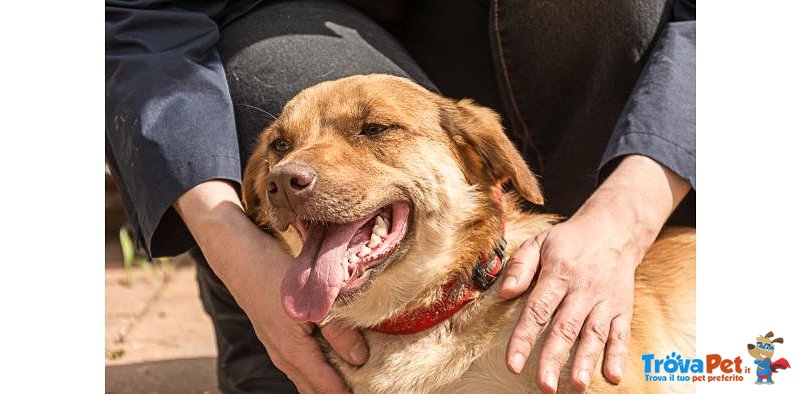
point(391, 198)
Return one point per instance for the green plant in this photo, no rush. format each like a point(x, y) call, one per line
point(131, 259)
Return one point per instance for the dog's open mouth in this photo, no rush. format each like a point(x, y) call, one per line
point(337, 256)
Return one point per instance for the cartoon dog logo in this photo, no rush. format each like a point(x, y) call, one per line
point(762, 351)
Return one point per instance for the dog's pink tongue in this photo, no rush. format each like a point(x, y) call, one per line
point(316, 276)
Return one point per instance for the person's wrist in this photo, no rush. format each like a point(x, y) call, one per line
point(609, 222)
point(625, 209)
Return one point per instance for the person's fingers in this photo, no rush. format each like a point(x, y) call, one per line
point(300, 357)
point(320, 376)
point(592, 342)
point(347, 342)
point(617, 348)
point(297, 379)
point(539, 307)
point(521, 268)
point(563, 332)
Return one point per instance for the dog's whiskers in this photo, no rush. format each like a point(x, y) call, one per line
point(260, 110)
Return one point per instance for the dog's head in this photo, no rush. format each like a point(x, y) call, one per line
point(387, 184)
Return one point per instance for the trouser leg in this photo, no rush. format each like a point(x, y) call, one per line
point(279, 49)
point(566, 69)
point(559, 74)
point(450, 40)
point(269, 55)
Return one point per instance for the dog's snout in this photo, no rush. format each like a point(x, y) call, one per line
point(301, 181)
point(290, 184)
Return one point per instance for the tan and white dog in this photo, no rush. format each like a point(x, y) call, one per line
point(394, 193)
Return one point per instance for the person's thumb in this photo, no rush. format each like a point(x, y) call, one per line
point(347, 342)
point(521, 267)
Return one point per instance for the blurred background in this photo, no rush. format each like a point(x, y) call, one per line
point(158, 338)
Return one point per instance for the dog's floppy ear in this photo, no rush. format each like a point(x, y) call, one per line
point(254, 185)
point(777, 340)
point(486, 154)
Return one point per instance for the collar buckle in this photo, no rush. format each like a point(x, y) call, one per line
point(484, 275)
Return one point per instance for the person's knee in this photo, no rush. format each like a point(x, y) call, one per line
point(281, 48)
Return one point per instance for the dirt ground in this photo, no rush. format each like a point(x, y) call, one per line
point(158, 338)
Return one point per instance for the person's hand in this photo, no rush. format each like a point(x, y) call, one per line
point(586, 268)
point(585, 284)
point(252, 264)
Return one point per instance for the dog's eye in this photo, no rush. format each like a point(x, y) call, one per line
point(373, 128)
point(281, 146)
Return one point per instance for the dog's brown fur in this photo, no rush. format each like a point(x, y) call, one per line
point(444, 157)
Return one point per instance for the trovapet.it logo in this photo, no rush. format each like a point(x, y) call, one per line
point(677, 368)
point(716, 368)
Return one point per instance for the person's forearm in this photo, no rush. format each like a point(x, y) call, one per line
point(639, 194)
point(252, 264)
point(213, 213)
point(209, 210)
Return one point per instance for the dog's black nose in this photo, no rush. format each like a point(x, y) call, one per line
point(750, 346)
point(290, 184)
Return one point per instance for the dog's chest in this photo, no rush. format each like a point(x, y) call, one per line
point(414, 363)
point(442, 359)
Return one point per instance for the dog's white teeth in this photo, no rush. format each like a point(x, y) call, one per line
point(381, 227)
point(374, 240)
point(353, 259)
point(364, 251)
point(345, 268)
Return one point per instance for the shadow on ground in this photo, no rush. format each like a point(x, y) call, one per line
point(181, 376)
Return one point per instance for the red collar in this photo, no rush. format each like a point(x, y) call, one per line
point(456, 293)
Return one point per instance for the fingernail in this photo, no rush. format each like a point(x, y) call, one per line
point(510, 282)
point(517, 362)
point(358, 353)
point(617, 372)
point(583, 377)
point(550, 380)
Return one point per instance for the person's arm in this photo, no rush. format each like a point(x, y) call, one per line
point(586, 269)
point(170, 135)
point(586, 264)
point(252, 265)
point(658, 120)
point(167, 104)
